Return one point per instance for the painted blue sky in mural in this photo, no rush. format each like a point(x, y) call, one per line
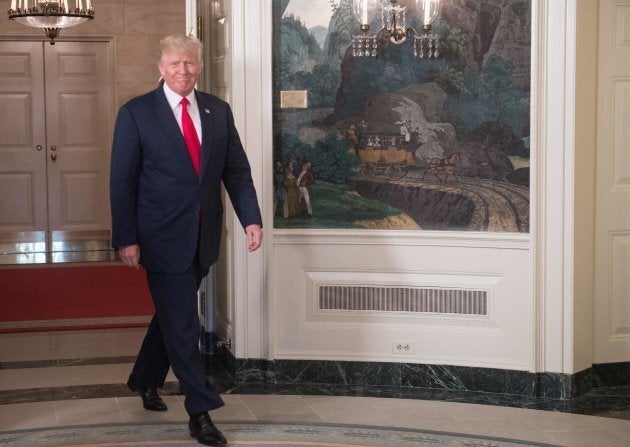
point(310, 12)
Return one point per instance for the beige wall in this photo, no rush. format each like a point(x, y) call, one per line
point(136, 27)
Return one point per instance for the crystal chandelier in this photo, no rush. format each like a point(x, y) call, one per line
point(394, 27)
point(51, 15)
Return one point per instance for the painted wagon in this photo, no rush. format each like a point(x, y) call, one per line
point(384, 155)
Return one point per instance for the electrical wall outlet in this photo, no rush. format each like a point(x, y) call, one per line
point(402, 347)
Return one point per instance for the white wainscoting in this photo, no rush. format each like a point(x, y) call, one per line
point(500, 266)
point(619, 324)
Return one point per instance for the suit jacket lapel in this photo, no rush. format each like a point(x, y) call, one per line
point(207, 125)
point(169, 124)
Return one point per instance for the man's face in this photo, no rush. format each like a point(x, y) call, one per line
point(180, 71)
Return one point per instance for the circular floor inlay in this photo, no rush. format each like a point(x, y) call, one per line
point(246, 434)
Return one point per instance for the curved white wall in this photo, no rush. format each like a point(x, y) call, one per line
point(530, 279)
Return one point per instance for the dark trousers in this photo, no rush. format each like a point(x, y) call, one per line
point(172, 340)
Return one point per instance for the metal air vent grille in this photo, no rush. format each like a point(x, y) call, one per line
point(403, 299)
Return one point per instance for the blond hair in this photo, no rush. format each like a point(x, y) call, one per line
point(179, 43)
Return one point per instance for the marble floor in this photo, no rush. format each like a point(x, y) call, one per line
point(68, 378)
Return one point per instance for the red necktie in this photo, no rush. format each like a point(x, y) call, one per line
point(190, 135)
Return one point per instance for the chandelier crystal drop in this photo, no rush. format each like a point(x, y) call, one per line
point(51, 15)
point(395, 22)
point(394, 27)
point(426, 44)
point(364, 46)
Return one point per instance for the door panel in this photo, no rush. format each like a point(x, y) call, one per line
point(22, 139)
point(78, 101)
point(612, 249)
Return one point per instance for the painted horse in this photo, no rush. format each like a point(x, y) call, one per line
point(444, 166)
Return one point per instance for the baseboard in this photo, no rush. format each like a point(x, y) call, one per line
point(611, 374)
point(420, 376)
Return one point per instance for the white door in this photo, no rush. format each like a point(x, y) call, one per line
point(55, 109)
point(612, 250)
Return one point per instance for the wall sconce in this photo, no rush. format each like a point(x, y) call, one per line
point(51, 15)
point(394, 26)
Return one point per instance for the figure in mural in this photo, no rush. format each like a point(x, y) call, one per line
point(304, 181)
point(292, 163)
point(293, 194)
point(353, 139)
point(404, 132)
point(279, 191)
point(362, 132)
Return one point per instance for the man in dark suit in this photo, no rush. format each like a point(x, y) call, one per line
point(172, 149)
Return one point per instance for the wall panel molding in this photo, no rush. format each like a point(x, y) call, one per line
point(619, 296)
point(621, 133)
point(511, 241)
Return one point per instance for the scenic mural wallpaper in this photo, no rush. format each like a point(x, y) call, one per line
point(398, 142)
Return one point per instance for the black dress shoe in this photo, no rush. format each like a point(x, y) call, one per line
point(151, 400)
point(204, 431)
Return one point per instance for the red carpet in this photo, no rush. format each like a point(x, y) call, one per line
point(116, 296)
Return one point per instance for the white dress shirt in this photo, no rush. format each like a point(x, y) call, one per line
point(174, 99)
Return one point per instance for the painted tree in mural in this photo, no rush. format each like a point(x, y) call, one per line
point(433, 144)
point(450, 71)
point(504, 101)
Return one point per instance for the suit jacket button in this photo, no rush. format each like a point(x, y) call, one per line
point(196, 213)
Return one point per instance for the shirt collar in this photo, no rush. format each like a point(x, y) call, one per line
point(174, 98)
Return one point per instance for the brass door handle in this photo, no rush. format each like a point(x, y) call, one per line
point(53, 156)
point(53, 148)
point(39, 147)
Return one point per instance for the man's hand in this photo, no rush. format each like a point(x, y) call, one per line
point(130, 255)
point(254, 237)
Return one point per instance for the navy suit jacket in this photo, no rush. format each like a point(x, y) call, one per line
point(156, 196)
